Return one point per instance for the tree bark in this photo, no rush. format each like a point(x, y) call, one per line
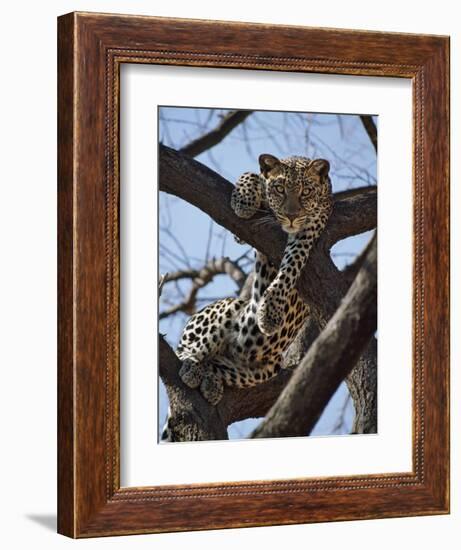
point(193, 418)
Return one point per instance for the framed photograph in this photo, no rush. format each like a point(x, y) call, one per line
point(229, 196)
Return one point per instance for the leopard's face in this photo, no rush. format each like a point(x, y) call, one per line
point(297, 189)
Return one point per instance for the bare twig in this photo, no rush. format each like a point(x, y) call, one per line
point(228, 122)
point(161, 282)
point(177, 242)
point(340, 421)
point(210, 238)
point(201, 278)
point(181, 274)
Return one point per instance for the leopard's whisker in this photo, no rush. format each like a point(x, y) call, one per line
point(265, 221)
point(266, 217)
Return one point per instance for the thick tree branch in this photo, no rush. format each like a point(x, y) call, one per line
point(354, 212)
point(329, 360)
point(195, 419)
point(212, 138)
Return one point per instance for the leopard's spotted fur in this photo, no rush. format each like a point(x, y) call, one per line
point(238, 342)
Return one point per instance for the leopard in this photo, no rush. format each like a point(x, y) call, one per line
point(239, 342)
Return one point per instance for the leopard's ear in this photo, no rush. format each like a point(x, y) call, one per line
point(267, 163)
point(321, 166)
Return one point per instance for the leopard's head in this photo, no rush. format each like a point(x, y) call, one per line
point(298, 190)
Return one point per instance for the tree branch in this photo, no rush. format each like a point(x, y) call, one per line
point(354, 212)
point(195, 419)
point(370, 128)
point(201, 277)
point(228, 122)
point(350, 271)
point(329, 360)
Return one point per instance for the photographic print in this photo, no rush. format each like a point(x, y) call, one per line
point(238, 321)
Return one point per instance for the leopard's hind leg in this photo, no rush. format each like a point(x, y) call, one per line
point(240, 375)
point(248, 364)
point(204, 335)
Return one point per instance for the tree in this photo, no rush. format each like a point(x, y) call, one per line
point(338, 339)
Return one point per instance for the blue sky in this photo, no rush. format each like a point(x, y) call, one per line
point(341, 139)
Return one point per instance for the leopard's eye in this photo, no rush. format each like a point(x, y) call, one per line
point(279, 188)
point(306, 192)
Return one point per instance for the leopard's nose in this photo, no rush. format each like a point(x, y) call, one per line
point(291, 211)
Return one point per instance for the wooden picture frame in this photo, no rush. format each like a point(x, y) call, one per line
point(91, 49)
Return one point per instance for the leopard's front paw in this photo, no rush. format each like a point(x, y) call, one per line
point(244, 207)
point(212, 388)
point(246, 196)
point(191, 373)
point(270, 314)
